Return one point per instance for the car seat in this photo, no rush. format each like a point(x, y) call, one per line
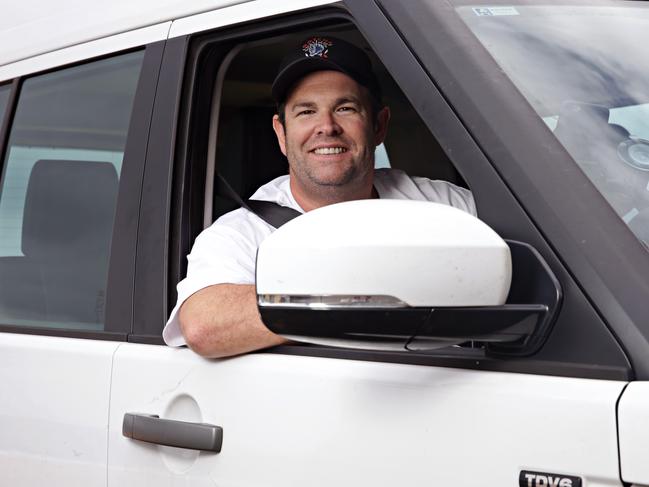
point(66, 235)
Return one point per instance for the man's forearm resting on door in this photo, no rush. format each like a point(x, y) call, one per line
point(223, 320)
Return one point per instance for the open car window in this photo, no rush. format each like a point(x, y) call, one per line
point(246, 152)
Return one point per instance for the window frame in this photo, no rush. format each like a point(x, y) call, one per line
point(121, 266)
point(7, 118)
point(601, 358)
point(4, 114)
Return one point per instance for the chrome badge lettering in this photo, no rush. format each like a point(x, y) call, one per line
point(544, 479)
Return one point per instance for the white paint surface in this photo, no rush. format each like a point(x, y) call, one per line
point(423, 253)
point(297, 421)
point(633, 412)
point(32, 27)
point(54, 398)
point(82, 52)
point(239, 13)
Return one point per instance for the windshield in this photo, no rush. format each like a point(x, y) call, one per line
point(585, 72)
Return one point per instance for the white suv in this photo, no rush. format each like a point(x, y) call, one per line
point(117, 126)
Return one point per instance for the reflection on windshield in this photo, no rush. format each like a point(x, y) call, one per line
point(584, 71)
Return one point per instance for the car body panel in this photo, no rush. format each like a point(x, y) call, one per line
point(291, 420)
point(54, 420)
point(44, 26)
point(81, 52)
point(239, 13)
point(633, 420)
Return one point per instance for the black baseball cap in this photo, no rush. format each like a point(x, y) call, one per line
point(320, 53)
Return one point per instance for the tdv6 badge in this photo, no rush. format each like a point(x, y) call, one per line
point(544, 479)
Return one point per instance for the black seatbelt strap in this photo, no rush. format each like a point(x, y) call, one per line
point(272, 213)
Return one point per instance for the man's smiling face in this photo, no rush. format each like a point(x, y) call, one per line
point(329, 135)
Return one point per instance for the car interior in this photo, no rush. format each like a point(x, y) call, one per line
point(245, 150)
point(68, 221)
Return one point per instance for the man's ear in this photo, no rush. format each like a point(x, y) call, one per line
point(381, 127)
point(278, 127)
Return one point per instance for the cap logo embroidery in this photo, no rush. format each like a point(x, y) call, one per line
point(317, 46)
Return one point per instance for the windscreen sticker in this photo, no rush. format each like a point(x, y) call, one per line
point(630, 215)
point(494, 11)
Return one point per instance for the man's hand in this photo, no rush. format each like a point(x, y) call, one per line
point(222, 320)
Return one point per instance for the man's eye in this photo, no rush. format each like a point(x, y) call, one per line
point(304, 112)
point(347, 108)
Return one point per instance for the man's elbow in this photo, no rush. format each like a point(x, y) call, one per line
point(195, 334)
point(200, 336)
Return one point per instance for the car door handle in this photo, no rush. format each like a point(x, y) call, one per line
point(181, 434)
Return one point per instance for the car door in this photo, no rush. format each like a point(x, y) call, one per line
point(316, 415)
point(68, 157)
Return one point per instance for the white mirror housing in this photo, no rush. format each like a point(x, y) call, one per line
point(384, 253)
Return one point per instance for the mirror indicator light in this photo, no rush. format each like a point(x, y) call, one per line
point(330, 301)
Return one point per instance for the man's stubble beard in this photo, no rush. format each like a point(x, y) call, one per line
point(308, 175)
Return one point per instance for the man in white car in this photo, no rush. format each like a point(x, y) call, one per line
point(329, 122)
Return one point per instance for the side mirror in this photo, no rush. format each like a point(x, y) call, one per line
point(403, 275)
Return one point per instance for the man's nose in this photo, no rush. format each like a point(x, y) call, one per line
point(327, 124)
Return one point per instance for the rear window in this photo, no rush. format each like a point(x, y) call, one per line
point(59, 190)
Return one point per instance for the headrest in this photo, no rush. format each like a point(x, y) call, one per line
point(69, 209)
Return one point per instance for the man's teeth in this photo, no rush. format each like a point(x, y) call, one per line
point(330, 150)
